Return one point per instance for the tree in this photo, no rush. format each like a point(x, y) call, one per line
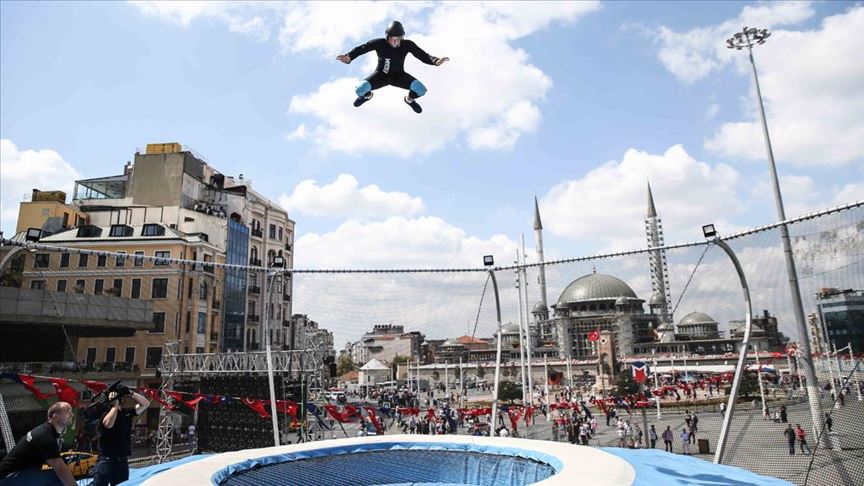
point(625, 385)
point(394, 364)
point(481, 372)
point(509, 391)
point(345, 364)
point(749, 386)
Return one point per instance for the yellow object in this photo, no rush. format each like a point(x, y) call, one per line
point(164, 148)
point(80, 464)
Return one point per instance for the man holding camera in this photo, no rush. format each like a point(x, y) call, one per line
point(115, 442)
point(23, 464)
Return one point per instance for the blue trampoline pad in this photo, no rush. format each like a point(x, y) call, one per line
point(398, 467)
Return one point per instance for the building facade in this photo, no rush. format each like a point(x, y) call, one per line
point(841, 313)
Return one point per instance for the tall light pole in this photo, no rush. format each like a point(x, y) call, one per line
point(749, 37)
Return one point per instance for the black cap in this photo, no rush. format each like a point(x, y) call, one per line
point(395, 29)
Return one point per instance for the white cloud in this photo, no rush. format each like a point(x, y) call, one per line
point(849, 193)
point(299, 133)
point(802, 194)
point(712, 111)
point(25, 170)
point(694, 54)
point(814, 99)
point(609, 202)
point(399, 242)
point(239, 17)
point(343, 198)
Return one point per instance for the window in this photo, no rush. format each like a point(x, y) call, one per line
point(82, 260)
point(110, 355)
point(42, 260)
point(154, 356)
point(160, 257)
point(202, 291)
point(199, 350)
point(120, 230)
point(101, 260)
point(136, 288)
point(159, 289)
point(139, 258)
point(280, 233)
point(177, 324)
point(130, 354)
point(61, 285)
point(98, 286)
point(64, 260)
point(37, 284)
point(91, 356)
point(120, 260)
point(80, 286)
point(118, 287)
point(158, 323)
point(272, 231)
point(65, 220)
point(202, 322)
point(153, 230)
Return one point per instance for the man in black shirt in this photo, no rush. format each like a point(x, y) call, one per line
point(115, 441)
point(391, 65)
point(23, 464)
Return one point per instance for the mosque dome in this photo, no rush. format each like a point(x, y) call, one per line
point(595, 286)
point(657, 299)
point(696, 318)
point(510, 328)
point(540, 308)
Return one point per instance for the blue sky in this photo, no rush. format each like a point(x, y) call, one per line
point(578, 104)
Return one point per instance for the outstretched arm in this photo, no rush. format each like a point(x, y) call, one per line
point(423, 56)
point(359, 51)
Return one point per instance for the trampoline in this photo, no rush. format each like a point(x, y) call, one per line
point(405, 460)
point(449, 460)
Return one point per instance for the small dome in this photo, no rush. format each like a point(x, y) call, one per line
point(540, 308)
point(621, 301)
point(510, 328)
point(696, 318)
point(657, 299)
point(595, 286)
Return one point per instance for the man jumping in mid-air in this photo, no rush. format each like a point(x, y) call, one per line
point(391, 65)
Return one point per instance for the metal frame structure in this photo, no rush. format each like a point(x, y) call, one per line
point(168, 367)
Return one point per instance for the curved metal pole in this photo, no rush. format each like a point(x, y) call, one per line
point(497, 356)
point(267, 310)
point(742, 353)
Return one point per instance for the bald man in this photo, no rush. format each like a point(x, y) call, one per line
point(23, 464)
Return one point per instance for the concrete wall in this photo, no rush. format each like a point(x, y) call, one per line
point(158, 179)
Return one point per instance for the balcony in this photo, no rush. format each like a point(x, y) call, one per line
point(258, 233)
point(286, 297)
point(288, 246)
point(286, 323)
point(255, 262)
point(255, 289)
point(253, 318)
point(204, 267)
point(217, 304)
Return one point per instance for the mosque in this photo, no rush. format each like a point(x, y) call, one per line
point(599, 302)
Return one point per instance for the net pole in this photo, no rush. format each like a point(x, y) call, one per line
point(524, 377)
point(761, 386)
point(267, 309)
point(656, 380)
point(742, 353)
point(497, 355)
point(527, 327)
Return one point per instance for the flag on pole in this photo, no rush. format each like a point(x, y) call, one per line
point(640, 371)
point(594, 335)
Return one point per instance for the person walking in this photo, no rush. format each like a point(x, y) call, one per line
point(722, 409)
point(829, 422)
point(783, 417)
point(653, 437)
point(802, 439)
point(667, 438)
point(790, 438)
point(685, 441)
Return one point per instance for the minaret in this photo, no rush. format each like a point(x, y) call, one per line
point(660, 297)
point(538, 238)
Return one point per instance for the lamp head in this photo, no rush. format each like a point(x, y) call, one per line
point(708, 231)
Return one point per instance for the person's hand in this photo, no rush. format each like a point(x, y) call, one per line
point(113, 395)
point(344, 58)
point(441, 60)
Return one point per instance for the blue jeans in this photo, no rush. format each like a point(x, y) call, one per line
point(110, 472)
point(31, 477)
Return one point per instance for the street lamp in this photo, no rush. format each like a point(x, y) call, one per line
point(749, 37)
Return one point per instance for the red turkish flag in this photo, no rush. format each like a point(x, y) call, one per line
point(371, 411)
point(287, 407)
point(256, 405)
point(65, 392)
point(594, 335)
point(96, 386)
point(28, 381)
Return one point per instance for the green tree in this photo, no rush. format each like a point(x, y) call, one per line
point(481, 372)
point(509, 391)
point(625, 385)
point(394, 364)
point(749, 386)
point(345, 363)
